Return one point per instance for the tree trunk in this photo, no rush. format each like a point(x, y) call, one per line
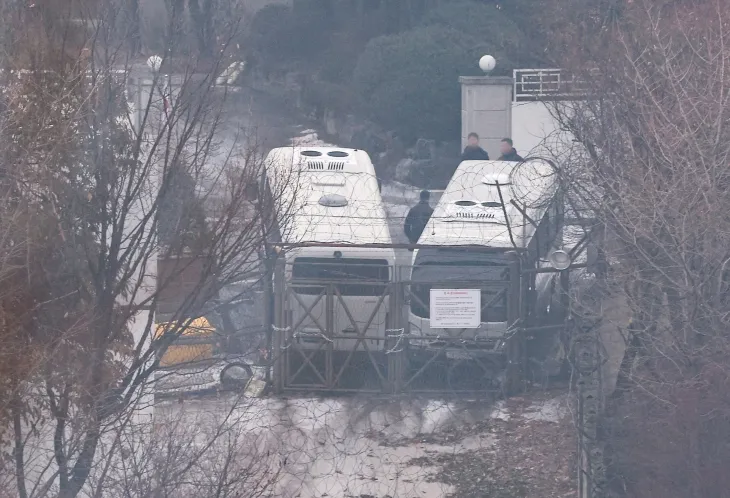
point(135, 36)
point(202, 18)
point(18, 452)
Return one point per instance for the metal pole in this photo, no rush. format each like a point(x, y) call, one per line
point(587, 362)
point(394, 346)
point(565, 293)
point(331, 302)
point(278, 351)
point(379, 245)
point(269, 311)
point(515, 311)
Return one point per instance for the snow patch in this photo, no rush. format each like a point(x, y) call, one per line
point(500, 412)
point(553, 410)
point(309, 138)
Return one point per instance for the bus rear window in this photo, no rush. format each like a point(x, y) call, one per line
point(351, 276)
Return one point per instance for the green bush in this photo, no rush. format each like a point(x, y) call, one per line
point(280, 34)
point(270, 34)
point(487, 23)
point(410, 80)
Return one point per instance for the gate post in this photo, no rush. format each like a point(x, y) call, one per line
point(394, 344)
point(279, 329)
point(268, 305)
point(516, 310)
point(330, 301)
point(592, 477)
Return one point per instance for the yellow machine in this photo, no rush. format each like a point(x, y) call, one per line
point(196, 343)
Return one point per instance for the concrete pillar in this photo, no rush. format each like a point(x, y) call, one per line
point(486, 109)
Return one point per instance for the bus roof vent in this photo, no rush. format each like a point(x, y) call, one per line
point(496, 179)
point(468, 210)
point(336, 165)
point(338, 153)
point(315, 165)
point(311, 153)
point(333, 200)
point(474, 215)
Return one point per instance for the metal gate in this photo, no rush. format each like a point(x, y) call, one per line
point(457, 360)
point(325, 339)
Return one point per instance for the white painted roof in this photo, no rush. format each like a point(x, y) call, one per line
point(483, 221)
point(310, 177)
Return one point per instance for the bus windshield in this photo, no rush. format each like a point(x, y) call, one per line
point(351, 276)
point(465, 269)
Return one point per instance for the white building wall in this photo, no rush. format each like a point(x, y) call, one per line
point(486, 110)
point(536, 132)
point(532, 125)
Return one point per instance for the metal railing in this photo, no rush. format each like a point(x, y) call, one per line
point(546, 84)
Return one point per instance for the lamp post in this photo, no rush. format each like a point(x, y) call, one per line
point(155, 63)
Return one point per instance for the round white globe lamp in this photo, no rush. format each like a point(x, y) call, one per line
point(154, 63)
point(487, 63)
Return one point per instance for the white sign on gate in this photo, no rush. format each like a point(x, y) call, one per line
point(455, 308)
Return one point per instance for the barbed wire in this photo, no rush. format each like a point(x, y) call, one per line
point(280, 447)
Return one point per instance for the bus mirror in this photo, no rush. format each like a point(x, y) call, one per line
point(560, 260)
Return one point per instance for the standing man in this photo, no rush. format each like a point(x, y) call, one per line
point(472, 151)
point(508, 151)
point(417, 218)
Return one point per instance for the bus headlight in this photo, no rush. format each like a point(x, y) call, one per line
point(560, 260)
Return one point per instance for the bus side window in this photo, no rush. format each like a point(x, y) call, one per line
point(549, 229)
point(556, 221)
point(544, 234)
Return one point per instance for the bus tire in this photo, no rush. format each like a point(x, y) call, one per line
point(235, 374)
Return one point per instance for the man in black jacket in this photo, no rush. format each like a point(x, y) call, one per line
point(508, 151)
point(418, 217)
point(472, 151)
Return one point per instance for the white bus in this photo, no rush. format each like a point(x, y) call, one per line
point(508, 214)
point(334, 198)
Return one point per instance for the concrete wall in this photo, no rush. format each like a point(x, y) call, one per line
point(486, 109)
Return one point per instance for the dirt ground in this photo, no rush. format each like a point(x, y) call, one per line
point(359, 447)
point(528, 449)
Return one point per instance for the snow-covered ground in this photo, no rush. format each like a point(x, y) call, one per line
point(354, 447)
